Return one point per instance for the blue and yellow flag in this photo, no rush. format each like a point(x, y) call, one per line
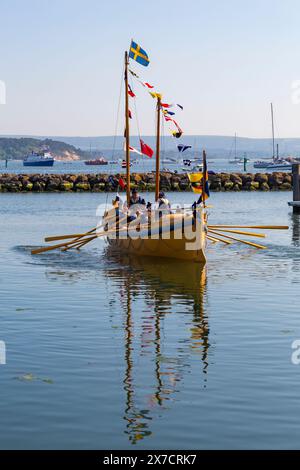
point(138, 54)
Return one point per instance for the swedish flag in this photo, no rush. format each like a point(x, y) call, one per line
point(138, 54)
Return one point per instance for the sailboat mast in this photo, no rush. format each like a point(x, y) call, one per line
point(235, 146)
point(127, 131)
point(273, 139)
point(157, 173)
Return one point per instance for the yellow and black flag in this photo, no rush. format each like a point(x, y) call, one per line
point(196, 180)
point(199, 181)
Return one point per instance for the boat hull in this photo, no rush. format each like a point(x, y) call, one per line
point(174, 249)
point(164, 243)
point(41, 163)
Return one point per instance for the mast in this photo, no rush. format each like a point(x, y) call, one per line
point(273, 139)
point(157, 149)
point(204, 170)
point(127, 131)
point(235, 146)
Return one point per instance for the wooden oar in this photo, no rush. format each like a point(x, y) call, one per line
point(79, 235)
point(60, 245)
point(75, 244)
point(49, 248)
point(63, 237)
point(82, 244)
point(240, 232)
point(78, 245)
point(266, 227)
point(261, 247)
point(215, 239)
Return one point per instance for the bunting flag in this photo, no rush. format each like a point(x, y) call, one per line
point(179, 106)
point(205, 186)
point(130, 92)
point(129, 114)
point(178, 128)
point(133, 73)
point(183, 148)
point(122, 183)
point(167, 118)
point(170, 113)
point(138, 54)
point(146, 84)
point(132, 149)
point(176, 134)
point(196, 182)
point(199, 181)
point(145, 149)
point(166, 105)
point(155, 95)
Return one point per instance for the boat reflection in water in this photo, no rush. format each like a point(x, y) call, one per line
point(165, 327)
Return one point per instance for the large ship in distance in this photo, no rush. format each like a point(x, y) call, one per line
point(97, 161)
point(40, 158)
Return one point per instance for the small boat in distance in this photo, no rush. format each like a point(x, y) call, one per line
point(123, 164)
point(170, 161)
point(40, 158)
point(276, 163)
point(96, 161)
point(236, 160)
point(261, 164)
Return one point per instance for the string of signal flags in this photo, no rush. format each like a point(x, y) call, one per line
point(140, 55)
point(198, 181)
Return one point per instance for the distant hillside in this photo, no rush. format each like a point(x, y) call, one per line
point(217, 146)
point(17, 148)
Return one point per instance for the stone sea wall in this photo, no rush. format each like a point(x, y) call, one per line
point(142, 181)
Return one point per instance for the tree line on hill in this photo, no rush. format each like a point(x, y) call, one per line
point(18, 148)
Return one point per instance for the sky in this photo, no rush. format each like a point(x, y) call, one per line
point(225, 61)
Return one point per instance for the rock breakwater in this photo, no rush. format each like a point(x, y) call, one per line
point(142, 181)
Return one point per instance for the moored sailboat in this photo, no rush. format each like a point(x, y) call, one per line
point(276, 163)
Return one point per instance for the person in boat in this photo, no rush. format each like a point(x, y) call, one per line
point(164, 206)
point(136, 205)
point(145, 215)
point(136, 199)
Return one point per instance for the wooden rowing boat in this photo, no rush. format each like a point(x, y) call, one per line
point(163, 242)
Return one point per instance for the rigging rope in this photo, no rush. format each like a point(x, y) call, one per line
point(116, 128)
point(137, 119)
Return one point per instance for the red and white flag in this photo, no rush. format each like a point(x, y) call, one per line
point(132, 149)
point(166, 105)
point(145, 149)
point(130, 92)
point(147, 85)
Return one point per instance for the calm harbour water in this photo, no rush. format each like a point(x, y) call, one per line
point(109, 352)
point(142, 165)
